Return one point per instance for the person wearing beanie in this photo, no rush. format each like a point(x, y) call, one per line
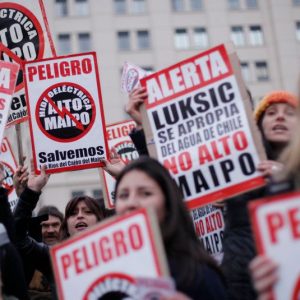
point(276, 118)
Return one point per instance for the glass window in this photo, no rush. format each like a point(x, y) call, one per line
point(237, 35)
point(181, 39)
point(143, 39)
point(81, 8)
point(177, 5)
point(97, 194)
point(296, 2)
point(64, 43)
point(234, 4)
point(148, 68)
point(196, 4)
point(120, 7)
point(61, 8)
point(245, 71)
point(123, 40)
point(138, 6)
point(262, 73)
point(251, 3)
point(256, 36)
point(298, 30)
point(84, 41)
point(78, 193)
point(200, 37)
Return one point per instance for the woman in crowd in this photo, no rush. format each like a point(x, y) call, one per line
point(276, 118)
point(146, 183)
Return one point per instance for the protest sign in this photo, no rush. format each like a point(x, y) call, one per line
point(24, 36)
point(119, 142)
point(203, 131)
point(8, 77)
point(131, 77)
point(102, 263)
point(8, 161)
point(66, 114)
point(276, 226)
point(209, 226)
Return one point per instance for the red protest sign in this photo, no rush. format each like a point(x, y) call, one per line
point(8, 160)
point(66, 113)
point(24, 36)
point(119, 142)
point(200, 119)
point(276, 225)
point(104, 261)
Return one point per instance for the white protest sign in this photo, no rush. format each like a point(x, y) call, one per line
point(8, 160)
point(201, 129)
point(131, 76)
point(276, 224)
point(25, 36)
point(66, 114)
point(8, 77)
point(120, 142)
point(103, 262)
point(209, 226)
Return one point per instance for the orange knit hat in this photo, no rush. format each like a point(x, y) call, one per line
point(274, 97)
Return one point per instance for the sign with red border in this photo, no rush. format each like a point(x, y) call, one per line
point(276, 226)
point(66, 113)
point(8, 77)
point(8, 160)
point(202, 128)
point(119, 142)
point(25, 36)
point(102, 263)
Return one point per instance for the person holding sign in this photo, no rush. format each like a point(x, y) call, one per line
point(146, 183)
point(276, 118)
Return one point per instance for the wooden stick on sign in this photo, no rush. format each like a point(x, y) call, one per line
point(19, 143)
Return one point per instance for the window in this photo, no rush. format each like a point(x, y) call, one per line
point(251, 3)
point(200, 37)
point(234, 4)
point(138, 6)
point(123, 40)
point(148, 68)
point(81, 8)
point(196, 4)
point(181, 39)
point(298, 30)
point(262, 73)
point(237, 35)
point(245, 71)
point(256, 35)
point(143, 39)
point(97, 194)
point(296, 2)
point(84, 41)
point(61, 8)
point(78, 193)
point(64, 43)
point(120, 7)
point(177, 5)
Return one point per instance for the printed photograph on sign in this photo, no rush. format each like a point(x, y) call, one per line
point(25, 36)
point(67, 122)
point(106, 265)
point(275, 222)
point(203, 129)
point(120, 143)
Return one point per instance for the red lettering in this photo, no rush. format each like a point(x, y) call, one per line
point(295, 222)
point(215, 150)
point(135, 237)
point(170, 164)
point(240, 140)
point(120, 245)
point(86, 261)
point(2, 103)
point(275, 222)
point(31, 72)
point(204, 155)
point(75, 67)
point(105, 250)
point(66, 263)
point(77, 261)
point(185, 161)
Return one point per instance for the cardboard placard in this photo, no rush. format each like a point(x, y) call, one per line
point(66, 113)
point(200, 119)
point(276, 226)
point(103, 262)
point(7, 159)
point(209, 226)
point(8, 77)
point(25, 36)
point(120, 142)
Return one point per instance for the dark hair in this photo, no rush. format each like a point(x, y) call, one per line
point(52, 211)
point(181, 243)
point(90, 202)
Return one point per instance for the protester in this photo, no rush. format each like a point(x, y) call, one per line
point(146, 183)
point(276, 118)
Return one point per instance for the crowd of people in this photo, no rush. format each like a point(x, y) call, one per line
point(26, 270)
